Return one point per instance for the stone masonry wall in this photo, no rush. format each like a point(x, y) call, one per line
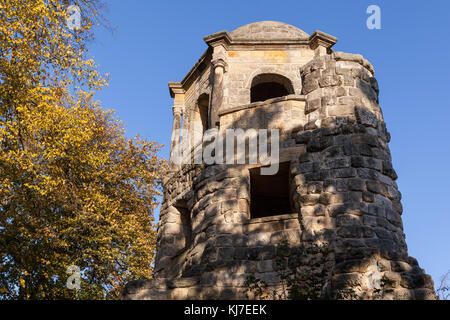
point(346, 183)
point(344, 193)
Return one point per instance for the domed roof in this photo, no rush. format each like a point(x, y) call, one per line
point(268, 30)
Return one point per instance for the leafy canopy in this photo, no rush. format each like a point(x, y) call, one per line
point(73, 189)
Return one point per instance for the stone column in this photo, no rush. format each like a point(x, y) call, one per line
point(177, 92)
point(219, 67)
point(219, 43)
point(175, 155)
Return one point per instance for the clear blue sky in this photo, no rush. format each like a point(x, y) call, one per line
point(158, 41)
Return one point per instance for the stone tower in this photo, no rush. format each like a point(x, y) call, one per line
point(335, 187)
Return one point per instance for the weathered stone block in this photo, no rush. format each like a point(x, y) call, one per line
point(343, 173)
point(315, 187)
point(366, 117)
point(365, 139)
point(348, 280)
point(335, 185)
point(340, 110)
point(312, 105)
point(310, 84)
point(259, 238)
point(179, 294)
point(213, 210)
point(337, 163)
point(376, 187)
point(319, 144)
point(351, 231)
point(226, 253)
point(348, 220)
point(356, 184)
point(265, 266)
point(224, 241)
point(425, 294)
point(329, 80)
point(291, 236)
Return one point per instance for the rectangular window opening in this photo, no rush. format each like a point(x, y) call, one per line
point(186, 225)
point(270, 193)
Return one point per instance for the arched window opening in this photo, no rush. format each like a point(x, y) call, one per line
point(268, 86)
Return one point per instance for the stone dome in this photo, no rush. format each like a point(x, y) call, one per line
point(268, 30)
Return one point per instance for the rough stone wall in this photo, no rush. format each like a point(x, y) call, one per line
point(227, 246)
point(342, 186)
point(346, 183)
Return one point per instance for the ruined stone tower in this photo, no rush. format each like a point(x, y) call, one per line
point(335, 187)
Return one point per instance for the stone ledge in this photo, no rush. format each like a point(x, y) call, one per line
point(291, 97)
point(280, 217)
point(182, 282)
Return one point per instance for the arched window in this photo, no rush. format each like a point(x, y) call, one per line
point(270, 85)
point(199, 120)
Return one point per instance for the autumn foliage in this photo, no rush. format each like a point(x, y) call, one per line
point(73, 189)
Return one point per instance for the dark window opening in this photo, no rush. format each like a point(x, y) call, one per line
point(267, 90)
point(186, 226)
point(269, 193)
point(203, 110)
point(269, 86)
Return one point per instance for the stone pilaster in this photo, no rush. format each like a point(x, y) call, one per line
point(321, 42)
point(219, 66)
point(219, 42)
point(175, 142)
point(177, 92)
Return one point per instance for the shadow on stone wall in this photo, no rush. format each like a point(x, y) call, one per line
point(344, 192)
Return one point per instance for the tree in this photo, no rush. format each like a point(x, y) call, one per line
point(443, 291)
point(74, 191)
